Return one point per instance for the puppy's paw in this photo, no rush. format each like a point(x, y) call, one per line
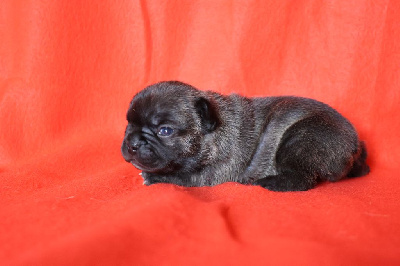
point(147, 180)
point(285, 183)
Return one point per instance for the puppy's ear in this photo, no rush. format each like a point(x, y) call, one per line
point(208, 115)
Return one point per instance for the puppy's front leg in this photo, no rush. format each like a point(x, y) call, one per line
point(151, 178)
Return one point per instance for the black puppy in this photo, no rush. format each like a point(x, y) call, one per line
point(178, 134)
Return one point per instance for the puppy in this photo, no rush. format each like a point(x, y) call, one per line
point(178, 134)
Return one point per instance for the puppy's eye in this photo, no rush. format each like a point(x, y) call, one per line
point(165, 131)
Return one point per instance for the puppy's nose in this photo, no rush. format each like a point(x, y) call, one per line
point(134, 143)
point(131, 149)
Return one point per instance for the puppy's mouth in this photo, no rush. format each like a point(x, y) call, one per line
point(141, 166)
point(147, 169)
point(150, 165)
point(146, 158)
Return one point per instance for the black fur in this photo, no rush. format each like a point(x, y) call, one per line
point(280, 143)
point(207, 114)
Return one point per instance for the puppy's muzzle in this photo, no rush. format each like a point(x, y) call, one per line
point(134, 143)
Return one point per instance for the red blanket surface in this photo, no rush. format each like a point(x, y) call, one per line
point(68, 70)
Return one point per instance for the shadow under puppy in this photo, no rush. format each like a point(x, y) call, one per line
point(178, 134)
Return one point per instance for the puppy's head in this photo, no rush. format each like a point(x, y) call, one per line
point(167, 122)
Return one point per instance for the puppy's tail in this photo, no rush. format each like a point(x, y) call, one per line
point(360, 167)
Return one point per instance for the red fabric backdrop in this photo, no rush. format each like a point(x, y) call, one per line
point(68, 70)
